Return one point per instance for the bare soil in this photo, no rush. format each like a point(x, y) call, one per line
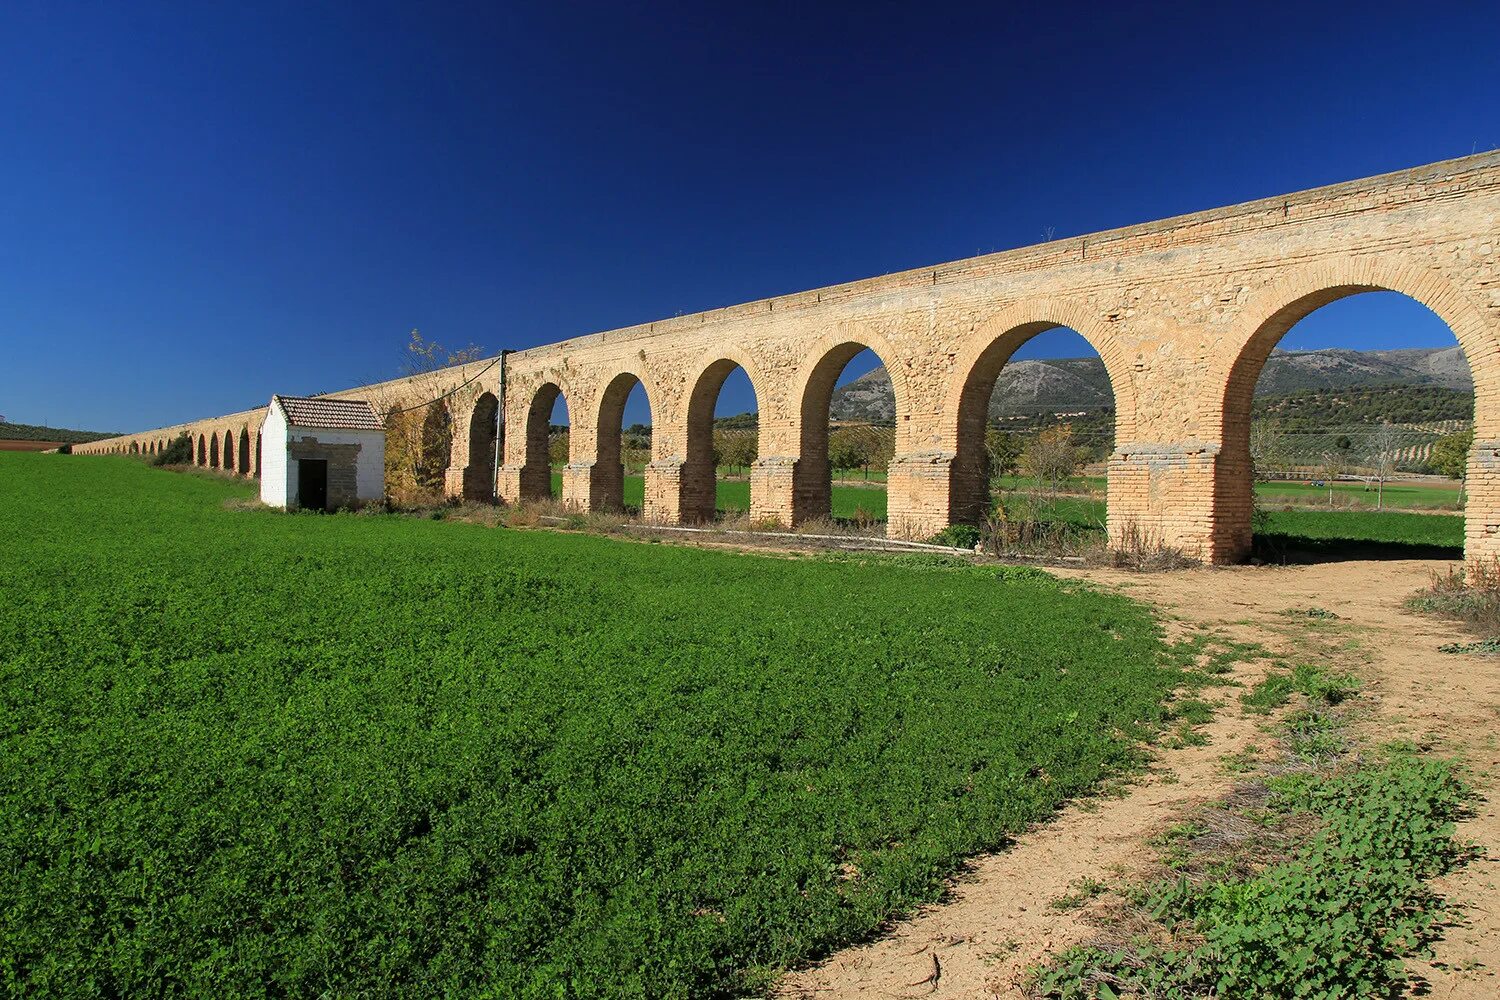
point(1002, 918)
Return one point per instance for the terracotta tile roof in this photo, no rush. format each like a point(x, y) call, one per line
point(330, 414)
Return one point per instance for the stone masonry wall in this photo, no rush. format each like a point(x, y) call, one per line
point(1183, 313)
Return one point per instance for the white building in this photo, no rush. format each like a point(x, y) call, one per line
point(321, 454)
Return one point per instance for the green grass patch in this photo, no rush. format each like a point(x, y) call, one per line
point(1320, 686)
point(1336, 919)
point(251, 753)
point(1310, 527)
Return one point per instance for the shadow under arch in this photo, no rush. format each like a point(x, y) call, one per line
point(479, 473)
point(243, 454)
point(536, 462)
point(202, 450)
point(607, 486)
point(434, 446)
point(229, 462)
point(699, 497)
point(1268, 317)
point(982, 356)
point(812, 487)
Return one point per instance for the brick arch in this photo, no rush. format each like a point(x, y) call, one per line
point(618, 386)
point(434, 444)
point(812, 397)
point(597, 480)
point(536, 465)
point(698, 487)
point(981, 356)
point(984, 352)
point(1274, 310)
point(822, 364)
point(242, 453)
point(476, 427)
point(1229, 385)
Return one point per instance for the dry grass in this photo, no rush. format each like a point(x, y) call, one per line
point(1469, 594)
point(1143, 551)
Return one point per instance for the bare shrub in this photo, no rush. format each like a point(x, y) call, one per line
point(529, 513)
point(1137, 549)
point(1470, 594)
point(419, 436)
point(487, 514)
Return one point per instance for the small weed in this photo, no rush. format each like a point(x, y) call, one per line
point(1320, 685)
point(1086, 890)
point(1313, 735)
point(1274, 691)
point(1243, 762)
point(1484, 647)
point(1319, 614)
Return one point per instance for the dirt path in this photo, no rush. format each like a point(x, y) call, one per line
point(1001, 917)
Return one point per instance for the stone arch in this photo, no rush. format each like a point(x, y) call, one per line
point(435, 445)
point(981, 356)
point(536, 465)
point(229, 459)
point(699, 486)
point(202, 449)
point(479, 472)
point(813, 396)
point(1271, 313)
point(243, 452)
point(607, 476)
point(213, 450)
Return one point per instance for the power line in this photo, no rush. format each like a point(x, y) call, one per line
point(467, 382)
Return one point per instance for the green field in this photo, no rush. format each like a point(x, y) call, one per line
point(1413, 495)
point(247, 753)
point(1285, 527)
point(1378, 527)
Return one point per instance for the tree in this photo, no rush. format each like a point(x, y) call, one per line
point(737, 448)
point(1335, 462)
point(1450, 455)
point(178, 452)
point(1385, 442)
point(1004, 451)
point(848, 449)
point(417, 417)
point(1267, 448)
point(1052, 456)
point(558, 446)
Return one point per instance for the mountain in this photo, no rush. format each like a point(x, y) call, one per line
point(1070, 385)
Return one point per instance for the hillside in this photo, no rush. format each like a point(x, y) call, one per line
point(1069, 385)
point(34, 432)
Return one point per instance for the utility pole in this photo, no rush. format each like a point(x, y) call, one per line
point(499, 431)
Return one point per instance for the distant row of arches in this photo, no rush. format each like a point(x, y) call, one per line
point(233, 451)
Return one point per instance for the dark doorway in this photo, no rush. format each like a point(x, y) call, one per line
point(312, 484)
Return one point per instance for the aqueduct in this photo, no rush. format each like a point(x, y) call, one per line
point(1183, 312)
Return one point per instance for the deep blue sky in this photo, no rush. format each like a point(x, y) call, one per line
point(204, 204)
